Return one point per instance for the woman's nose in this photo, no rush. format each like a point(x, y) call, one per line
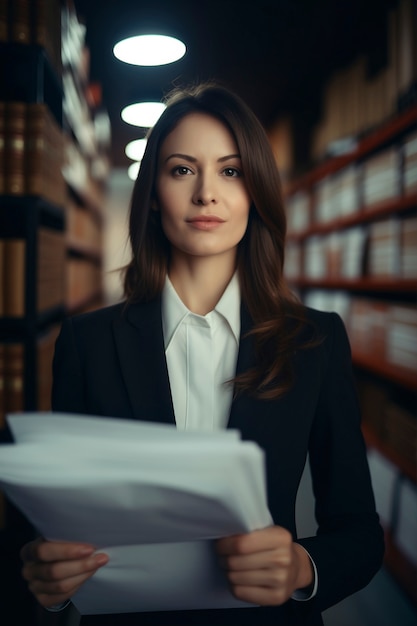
point(205, 190)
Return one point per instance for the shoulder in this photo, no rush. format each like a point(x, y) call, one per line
point(97, 319)
point(328, 330)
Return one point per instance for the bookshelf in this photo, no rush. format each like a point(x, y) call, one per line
point(53, 169)
point(348, 253)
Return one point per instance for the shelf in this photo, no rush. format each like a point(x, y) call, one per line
point(17, 212)
point(82, 250)
point(374, 285)
point(14, 327)
point(362, 216)
point(376, 139)
point(399, 375)
point(32, 78)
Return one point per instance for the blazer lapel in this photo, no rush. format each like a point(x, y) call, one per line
point(139, 340)
point(244, 407)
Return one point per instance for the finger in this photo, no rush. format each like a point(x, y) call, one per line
point(271, 538)
point(63, 589)
point(269, 559)
point(262, 596)
point(49, 551)
point(60, 570)
point(270, 578)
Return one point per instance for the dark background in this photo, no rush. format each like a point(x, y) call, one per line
point(276, 54)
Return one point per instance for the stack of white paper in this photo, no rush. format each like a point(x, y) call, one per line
point(148, 495)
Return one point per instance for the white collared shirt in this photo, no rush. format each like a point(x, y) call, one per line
point(201, 353)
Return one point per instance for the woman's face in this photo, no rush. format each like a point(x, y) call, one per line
point(201, 192)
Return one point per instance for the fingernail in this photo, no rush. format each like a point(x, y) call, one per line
point(85, 551)
point(101, 559)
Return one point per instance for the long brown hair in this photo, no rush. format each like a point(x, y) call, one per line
point(278, 317)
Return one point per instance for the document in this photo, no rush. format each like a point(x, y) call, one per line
point(150, 496)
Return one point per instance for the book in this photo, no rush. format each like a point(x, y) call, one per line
point(298, 212)
point(14, 272)
point(51, 284)
point(408, 253)
point(384, 255)
point(14, 148)
point(401, 337)
point(410, 163)
point(381, 176)
point(44, 155)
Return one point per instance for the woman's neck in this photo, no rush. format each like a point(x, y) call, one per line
point(201, 282)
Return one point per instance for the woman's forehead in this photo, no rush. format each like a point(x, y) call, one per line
point(199, 131)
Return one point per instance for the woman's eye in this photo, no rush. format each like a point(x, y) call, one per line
point(231, 171)
point(181, 170)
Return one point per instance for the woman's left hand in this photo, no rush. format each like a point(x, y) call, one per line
point(265, 566)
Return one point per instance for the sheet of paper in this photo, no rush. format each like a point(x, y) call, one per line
point(152, 497)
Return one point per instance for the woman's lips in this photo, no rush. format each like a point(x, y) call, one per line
point(205, 222)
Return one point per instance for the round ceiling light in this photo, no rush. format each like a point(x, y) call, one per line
point(144, 114)
point(149, 50)
point(133, 170)
point(136, 149)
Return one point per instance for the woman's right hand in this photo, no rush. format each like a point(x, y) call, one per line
point(55, 570)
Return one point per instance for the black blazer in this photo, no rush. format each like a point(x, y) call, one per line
point(111, 363)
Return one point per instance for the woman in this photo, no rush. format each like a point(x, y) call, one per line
point(210, 337)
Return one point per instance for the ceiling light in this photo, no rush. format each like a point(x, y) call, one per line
point(149, 50)
point(135, 149)
point(144, 114)
point(133, 170)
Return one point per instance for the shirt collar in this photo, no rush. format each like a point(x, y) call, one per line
point(174, 310)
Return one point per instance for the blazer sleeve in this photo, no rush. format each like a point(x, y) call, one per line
point(348, 547)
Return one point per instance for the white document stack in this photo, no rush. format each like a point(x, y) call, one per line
point(151, 497)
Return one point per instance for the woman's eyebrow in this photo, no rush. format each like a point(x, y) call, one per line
point(178, 155)
point(192, 159)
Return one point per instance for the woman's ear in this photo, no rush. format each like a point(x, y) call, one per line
point(154, 205)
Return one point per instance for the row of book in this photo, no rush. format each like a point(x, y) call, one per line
point(31, 152)
point(50, 273)
point(33, 22)
point(385, 176)
point(60, 280)
point(393, 424)
point(86, 175)
point(378, 330)
point(354, 101)
point(84, 281)
point(13, 385)
point(83, 229)
point(385, 249)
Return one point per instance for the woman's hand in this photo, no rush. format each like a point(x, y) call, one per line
point(55, 570)
point(265, 567)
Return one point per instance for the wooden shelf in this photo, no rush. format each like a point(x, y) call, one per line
point(364, 215)
point(82, 250)
point(399, 375)
point(377, 138)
